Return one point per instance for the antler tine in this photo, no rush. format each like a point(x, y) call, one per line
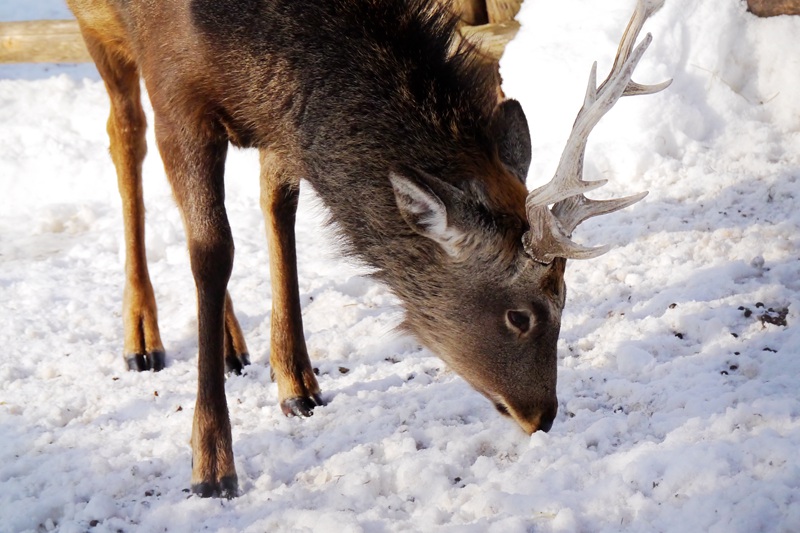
point(547, 240)
point(644, 9)
point(550, 231)
point(567, 180)
point(576, 209)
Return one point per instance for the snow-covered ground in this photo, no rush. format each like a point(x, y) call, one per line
point(679, 373)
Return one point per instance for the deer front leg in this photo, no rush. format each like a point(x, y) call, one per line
point(194, 159)
point(298, 391)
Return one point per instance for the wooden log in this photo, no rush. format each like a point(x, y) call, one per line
point(771, 8)
point(491, 39)
point(42, 41)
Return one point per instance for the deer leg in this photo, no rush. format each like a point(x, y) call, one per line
point(236, 354)
point(143, 349)
point(194, 159)
point(298, 391)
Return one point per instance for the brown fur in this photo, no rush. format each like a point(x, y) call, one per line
point(400, 133)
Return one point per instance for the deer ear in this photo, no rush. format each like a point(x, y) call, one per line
point(423, 202)
point(510, 130)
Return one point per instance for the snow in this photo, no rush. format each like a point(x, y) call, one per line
point(679, 406)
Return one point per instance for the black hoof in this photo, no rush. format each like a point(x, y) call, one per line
point(141, 362)
point(235, 364)
point(227, 487)
point(158, 360)
point(137, 362)
point(301, 406)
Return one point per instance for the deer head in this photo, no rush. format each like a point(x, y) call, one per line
point(498, 327)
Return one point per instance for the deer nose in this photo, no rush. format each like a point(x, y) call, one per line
point(548, 416)
point(546, 423)
point(540, 421)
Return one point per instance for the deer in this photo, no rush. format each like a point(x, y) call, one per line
point(398, 128)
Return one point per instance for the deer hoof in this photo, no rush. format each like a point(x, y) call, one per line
point(227, 487)
point(157, 359)
point(301, 406)
point(234, 364)
point(137, 362)
point(141, 362)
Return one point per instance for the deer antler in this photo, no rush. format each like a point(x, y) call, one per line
point(550, 230)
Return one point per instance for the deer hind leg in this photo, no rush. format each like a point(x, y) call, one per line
point(236, 355)
point(194, 159)
point(298, 391)
point(126, 126)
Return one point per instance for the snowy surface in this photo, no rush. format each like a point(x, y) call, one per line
point(679, 406)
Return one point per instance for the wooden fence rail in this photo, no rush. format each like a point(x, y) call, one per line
point(59, 41)
point(42, 41)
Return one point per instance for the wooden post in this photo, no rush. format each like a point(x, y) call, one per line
point(42, 41)
point(771, 8)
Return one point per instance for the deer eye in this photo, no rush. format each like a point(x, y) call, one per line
point(501, 409)
point(519, 320)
